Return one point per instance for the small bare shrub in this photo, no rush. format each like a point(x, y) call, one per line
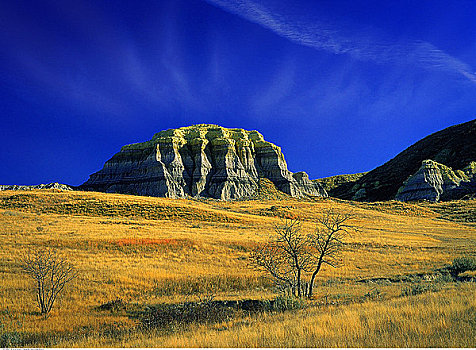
point(50, 274)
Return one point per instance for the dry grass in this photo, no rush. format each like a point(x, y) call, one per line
point(444, 319)
point(151, 250)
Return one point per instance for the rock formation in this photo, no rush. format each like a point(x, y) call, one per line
point(53, 185)
point(454, 147)
point(201, 160)
point(435, 181)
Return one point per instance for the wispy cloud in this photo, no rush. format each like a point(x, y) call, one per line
point(359, 44)
point(277, 90)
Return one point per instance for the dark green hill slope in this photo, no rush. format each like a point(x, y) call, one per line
point(335, 185)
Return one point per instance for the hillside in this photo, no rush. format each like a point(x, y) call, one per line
point(454, 147)
point(335, 185)
point(146, 250)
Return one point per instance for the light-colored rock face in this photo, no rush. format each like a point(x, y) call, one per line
point(435, 181)
point(53, 185)
point(201, 160)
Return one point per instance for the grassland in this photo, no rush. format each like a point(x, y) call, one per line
point(148, 251)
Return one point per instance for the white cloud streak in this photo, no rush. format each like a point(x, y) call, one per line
point(360, 45)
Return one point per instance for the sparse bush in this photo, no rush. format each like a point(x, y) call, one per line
point(463, 264)
point(10, 339)
point(113, 305)
point(176, 315)
point(208, 311)
point(419, 288)
point(443, 277)
point(285, 303)
point(11, 213)
point(50, 274)
point(373, 294)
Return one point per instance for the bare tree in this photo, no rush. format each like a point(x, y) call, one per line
point(282, 256)
point(326, 243)
point(293, 259)
point(50, 273)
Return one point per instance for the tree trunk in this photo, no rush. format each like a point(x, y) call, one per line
point(311, 282)
point(298, 277)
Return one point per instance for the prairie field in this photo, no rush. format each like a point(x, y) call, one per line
point(136, 254)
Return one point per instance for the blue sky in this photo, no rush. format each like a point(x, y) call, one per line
point(341, 86)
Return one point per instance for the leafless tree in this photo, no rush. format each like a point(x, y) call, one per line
point(282, 256)
point(50, 273)
point(326, 243)
point(293, 259)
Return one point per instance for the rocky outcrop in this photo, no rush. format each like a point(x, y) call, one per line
point(53, 185)
point(454, 147)
point(201, 160)
point(435, 181)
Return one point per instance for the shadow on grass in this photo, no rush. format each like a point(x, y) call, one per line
point(175, 316)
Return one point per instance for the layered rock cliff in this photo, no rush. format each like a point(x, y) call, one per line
point(435, 181)
point(201, 160)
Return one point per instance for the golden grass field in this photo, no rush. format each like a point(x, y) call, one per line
point(147, 251)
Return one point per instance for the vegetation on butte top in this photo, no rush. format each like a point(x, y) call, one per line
point(204, 132)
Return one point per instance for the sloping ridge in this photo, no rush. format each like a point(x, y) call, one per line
point(454, 147)
point(334, 185)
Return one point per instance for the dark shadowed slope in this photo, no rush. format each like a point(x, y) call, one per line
point(454, 147)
